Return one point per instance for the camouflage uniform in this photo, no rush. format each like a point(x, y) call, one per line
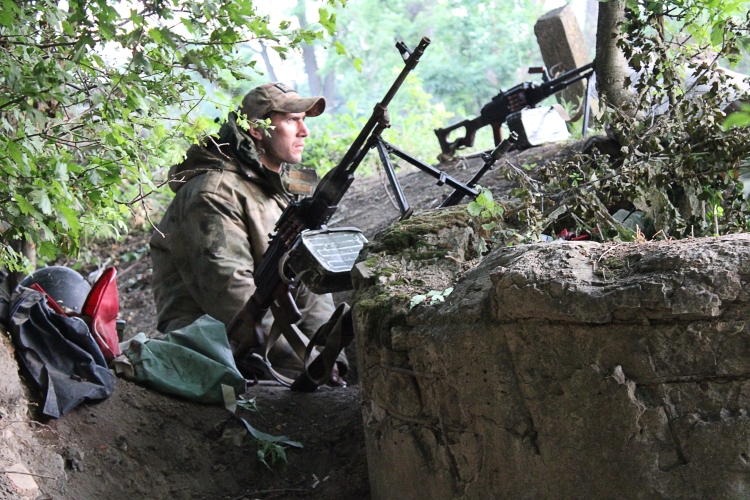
point(213, 232)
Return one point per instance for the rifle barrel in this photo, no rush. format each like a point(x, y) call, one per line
point(564, 77)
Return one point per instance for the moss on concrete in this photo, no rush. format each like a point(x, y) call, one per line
point(411, 233)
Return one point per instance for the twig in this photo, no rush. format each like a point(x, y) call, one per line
point(218, 146)
point(34, 422)
point(281, 490)
point(179, 177)
point(125, 271)
point(607, 251)
point(26, 474)
point(146, 212)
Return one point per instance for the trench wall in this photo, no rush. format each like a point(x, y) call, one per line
point(563, 370)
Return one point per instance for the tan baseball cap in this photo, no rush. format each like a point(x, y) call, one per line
point(279, 97)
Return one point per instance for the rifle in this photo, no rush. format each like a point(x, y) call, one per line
point(272, 280)
point(523, 95)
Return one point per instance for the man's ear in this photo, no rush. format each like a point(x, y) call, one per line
point(255, 133)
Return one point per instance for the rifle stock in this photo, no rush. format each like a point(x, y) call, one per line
point(310, 213)
point(524, 95)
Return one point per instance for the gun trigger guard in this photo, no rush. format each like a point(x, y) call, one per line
point(282, 276)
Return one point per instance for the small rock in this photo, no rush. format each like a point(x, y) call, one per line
point(122, 443)
point(73, 458)
point(22, 481)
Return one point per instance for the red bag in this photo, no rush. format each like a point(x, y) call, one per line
point(102, 306)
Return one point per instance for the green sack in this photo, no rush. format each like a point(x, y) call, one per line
point(192, 362)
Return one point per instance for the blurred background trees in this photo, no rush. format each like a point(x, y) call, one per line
point(99, 97)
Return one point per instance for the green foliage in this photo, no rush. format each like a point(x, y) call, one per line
point(477, 47)
point(679, 165)
point(247, 403)
point(96, 99)
point(486, 209)
point(738, 118)
point(271, 449)
point(432, 297)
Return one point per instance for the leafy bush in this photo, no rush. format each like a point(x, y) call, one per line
point(97, 96)
point(682, 166)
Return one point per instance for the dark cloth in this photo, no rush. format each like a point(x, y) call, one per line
point(59, 352)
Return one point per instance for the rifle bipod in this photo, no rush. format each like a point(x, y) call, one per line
point(386, 149)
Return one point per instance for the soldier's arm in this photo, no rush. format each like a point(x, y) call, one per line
point(216, 255)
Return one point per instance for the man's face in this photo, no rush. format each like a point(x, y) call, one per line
point(287, 140)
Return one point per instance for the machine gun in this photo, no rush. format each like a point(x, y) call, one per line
point(524, 95)
point(273, 278)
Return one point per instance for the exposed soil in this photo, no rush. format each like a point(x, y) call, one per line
point(143, 444)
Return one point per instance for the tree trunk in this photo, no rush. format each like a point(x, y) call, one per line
point(610, 64)
point(308, 51)
point(329, 88)
point(267, 62)
point(311, 68)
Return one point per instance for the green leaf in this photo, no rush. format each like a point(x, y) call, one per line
point(248, 404)
point(357, 63)
point(340, 49)
point(71, 217)
point(416, 300)
point(474, 208)
point(188, 26)
point(6, 18)
point(268, 438)
point(738, 119)
point(26, 207)
point(47, 250)
point(15, 153)
point(328, 21)
point(8, 13)
point(41, 199)
point(485, 198)
point(717, 35)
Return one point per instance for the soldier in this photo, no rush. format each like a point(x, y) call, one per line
point(230, 191)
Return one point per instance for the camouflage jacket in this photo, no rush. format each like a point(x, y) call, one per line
point(211, 235)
